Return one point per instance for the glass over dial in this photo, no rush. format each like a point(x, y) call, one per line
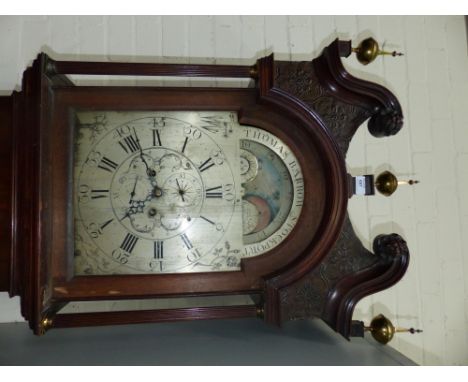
point(166, 192)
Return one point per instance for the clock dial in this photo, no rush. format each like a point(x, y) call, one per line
point(157, 192)
point(166, 192)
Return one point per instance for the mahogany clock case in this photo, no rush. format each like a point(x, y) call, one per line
point(40, 268)
point(313, 107)
point(243, 101)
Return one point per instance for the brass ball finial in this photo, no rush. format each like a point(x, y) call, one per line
point(45, 324)
point(368, 50)
point(382, 329)
point(387, 183)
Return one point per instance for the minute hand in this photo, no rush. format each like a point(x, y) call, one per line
point(149, 172)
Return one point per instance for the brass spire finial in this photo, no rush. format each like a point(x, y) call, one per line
point(383, 330)
point(387, 183)
point(368, 50)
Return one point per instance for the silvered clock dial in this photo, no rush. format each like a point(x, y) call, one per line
point(157, 192)
point(175, 192)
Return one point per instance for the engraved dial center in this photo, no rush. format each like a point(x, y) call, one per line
point(159, 206)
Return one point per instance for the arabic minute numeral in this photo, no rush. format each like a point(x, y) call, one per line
point(192, 132)
point(120, 255)
point(94, 158)
point(218, 156)
point(122, 131)
point(228, 192)
point(93, 230)
point(159, 122)
point(194, 255)
point(83, 193)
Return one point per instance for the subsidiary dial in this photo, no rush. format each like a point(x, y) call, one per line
point(183, 190)
point(248, 166)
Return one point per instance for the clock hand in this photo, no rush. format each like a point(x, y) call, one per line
point(127, 215)
point(181, 192)
point(132, 209)
point(132, 195)
point(130, 202)
point(150, 172)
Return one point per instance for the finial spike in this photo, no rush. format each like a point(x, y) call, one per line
point(383, 330)
point(368, 50)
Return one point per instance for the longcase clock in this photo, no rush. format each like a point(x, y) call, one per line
point(121, 193)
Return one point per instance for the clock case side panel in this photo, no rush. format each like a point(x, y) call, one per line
point(6, 194)
point(31, 175)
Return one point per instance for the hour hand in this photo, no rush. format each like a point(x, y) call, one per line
point(132, 194)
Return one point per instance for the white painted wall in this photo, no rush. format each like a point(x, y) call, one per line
point(431, 83)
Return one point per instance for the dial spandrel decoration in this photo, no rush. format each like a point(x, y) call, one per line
point(168, 192)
